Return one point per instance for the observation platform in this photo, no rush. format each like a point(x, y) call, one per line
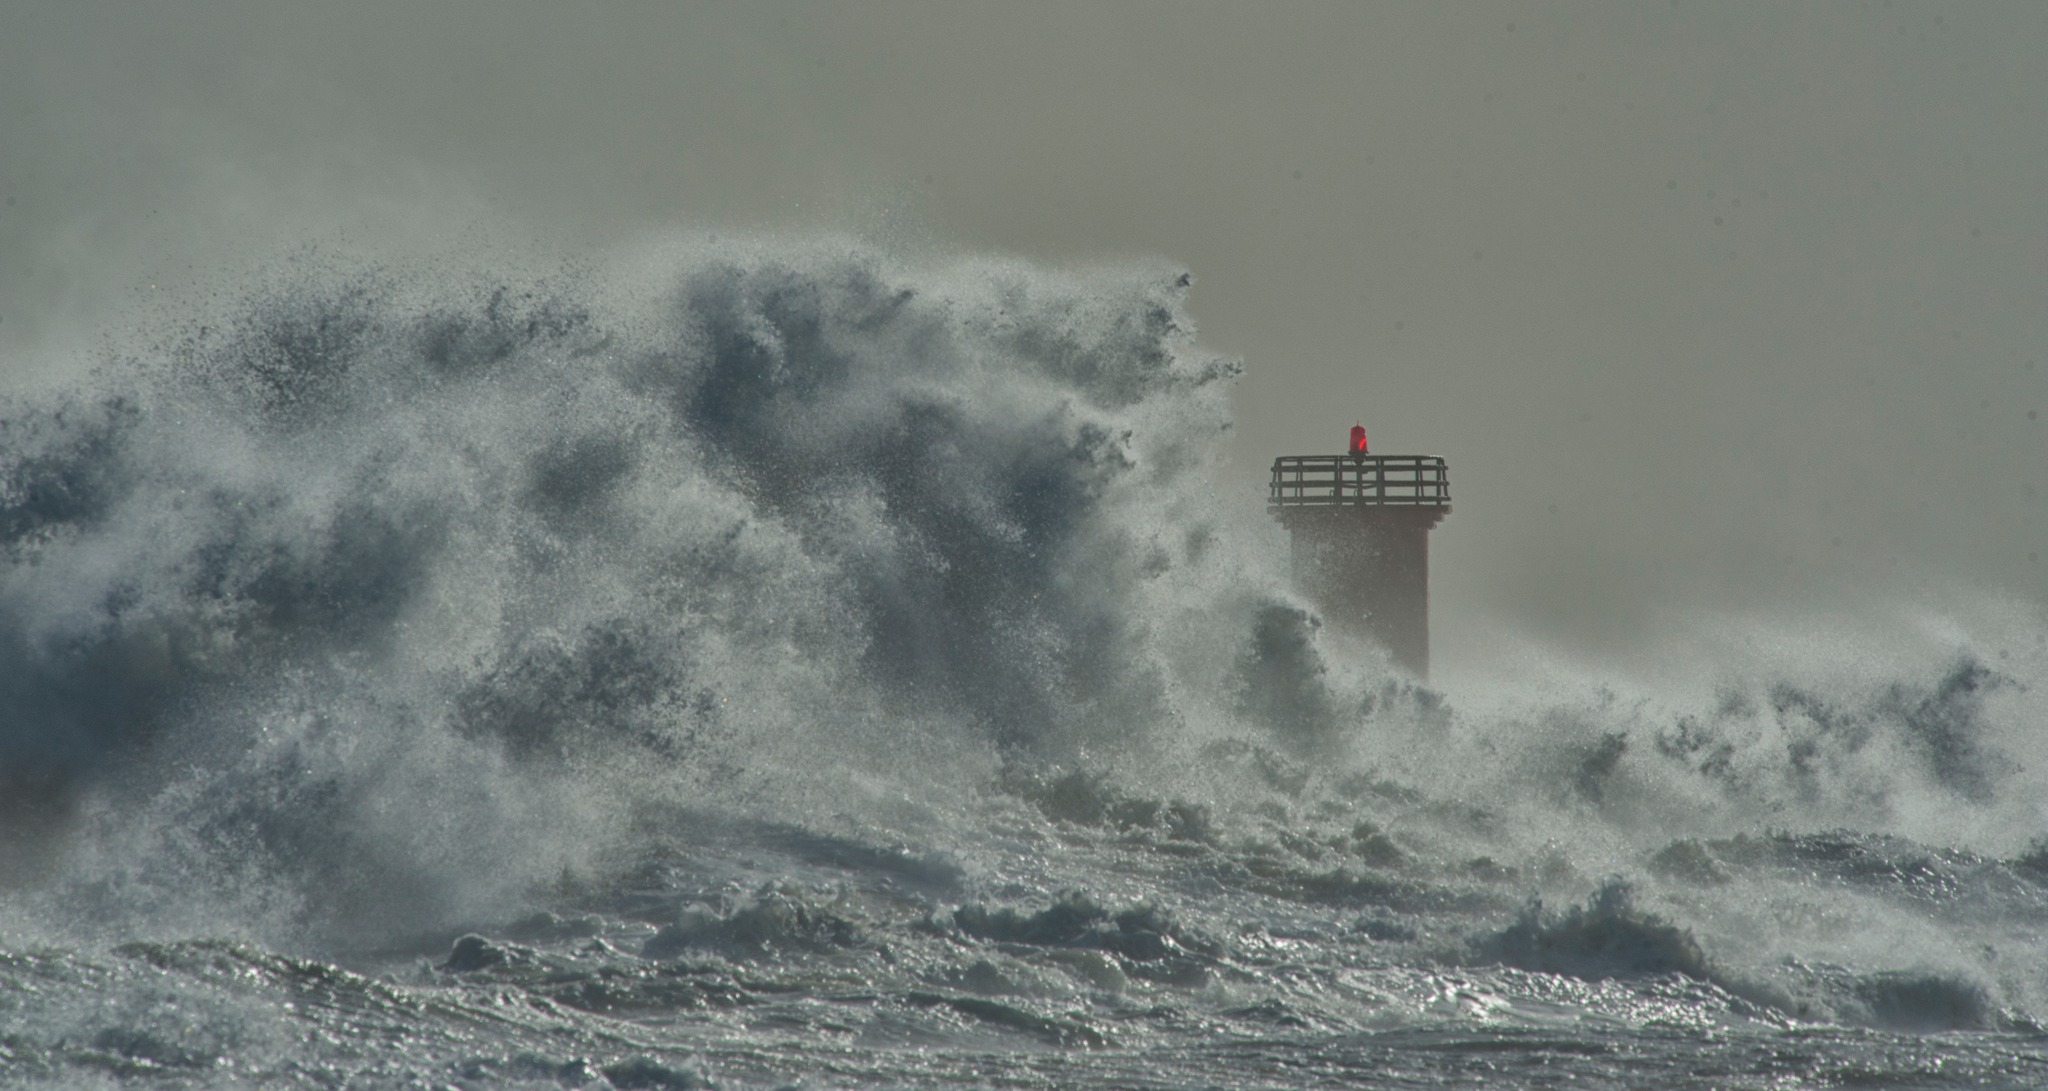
point(1303, 483)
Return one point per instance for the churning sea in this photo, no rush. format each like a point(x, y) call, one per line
point(778, 665)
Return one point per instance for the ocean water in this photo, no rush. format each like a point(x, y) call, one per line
point(778, 665)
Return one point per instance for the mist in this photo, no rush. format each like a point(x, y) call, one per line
point(702, 544)
point(1716, 310)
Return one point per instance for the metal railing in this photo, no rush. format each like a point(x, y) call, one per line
point(1337, 480)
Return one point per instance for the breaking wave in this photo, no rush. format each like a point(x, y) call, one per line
point(380, 585)
point(387, 609)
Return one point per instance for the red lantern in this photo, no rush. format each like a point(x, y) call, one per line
point(1358, 439)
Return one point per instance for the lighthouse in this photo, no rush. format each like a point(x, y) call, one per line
point(1359, 525)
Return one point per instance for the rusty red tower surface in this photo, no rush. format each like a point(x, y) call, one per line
point(1360, 527)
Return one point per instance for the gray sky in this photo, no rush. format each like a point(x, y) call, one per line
point(1740, 307)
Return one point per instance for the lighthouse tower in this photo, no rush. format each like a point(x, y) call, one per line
point(1360, 526)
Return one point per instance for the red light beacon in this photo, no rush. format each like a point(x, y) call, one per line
point(1358, 439)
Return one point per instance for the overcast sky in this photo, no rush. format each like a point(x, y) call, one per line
point(1712, 306)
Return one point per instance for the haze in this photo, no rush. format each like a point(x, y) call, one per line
point(1714, 308)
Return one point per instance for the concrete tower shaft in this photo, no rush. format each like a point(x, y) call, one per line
point(1360, 527)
